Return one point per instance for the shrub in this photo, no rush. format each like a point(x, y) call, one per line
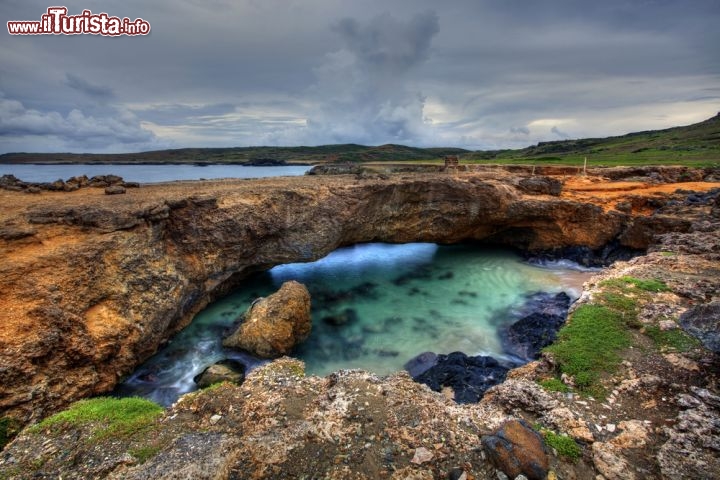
point(554, 385)
point(563, 445)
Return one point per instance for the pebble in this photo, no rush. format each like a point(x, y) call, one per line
point(215, 418)
point(422, 455)
point(610, 427)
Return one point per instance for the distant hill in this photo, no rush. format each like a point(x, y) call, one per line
point(693, 144)
point(697, 144)
point(245, 155)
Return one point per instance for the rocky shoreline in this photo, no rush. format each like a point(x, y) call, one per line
point(176, 247)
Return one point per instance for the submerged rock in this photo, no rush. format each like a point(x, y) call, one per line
point(274, 325)
point(517, 449)
point(469, 377)
point(529, 335)
point(223, 371)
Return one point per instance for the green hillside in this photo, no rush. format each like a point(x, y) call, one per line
point(697, 144)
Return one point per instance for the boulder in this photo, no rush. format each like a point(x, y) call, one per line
point(529, 335)
point(517, 449)
point(114, 190)
point(275, 324)
point(223, 371)
point(541, 186)
point(703, 323)
point(469, 377)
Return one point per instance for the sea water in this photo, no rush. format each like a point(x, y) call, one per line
point(374, 307)
point(146, 173)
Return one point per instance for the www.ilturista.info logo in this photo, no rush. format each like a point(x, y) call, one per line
point(57, 22)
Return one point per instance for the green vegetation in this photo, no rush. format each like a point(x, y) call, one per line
point(675, 340)
point(695, 145)
point(563, 445)
point(109, 416)
point(623, 283)
point(8, 429)
point(588, 345)
point(145, 452)
point(554, 385)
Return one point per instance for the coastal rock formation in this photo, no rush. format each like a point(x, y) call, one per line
point(272, 326)
point(91, 284)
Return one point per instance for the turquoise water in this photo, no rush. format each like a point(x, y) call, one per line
point(146, 173)
point(374, 306)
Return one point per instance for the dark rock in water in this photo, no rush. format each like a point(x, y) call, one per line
point(703, 323)
point(517, 449)
point(446, 276)
point(541, 186)
point(587, 257)
point(345, 317)
point(421, 363)
point(538, 329)
point(469, 377)
point(223, 371)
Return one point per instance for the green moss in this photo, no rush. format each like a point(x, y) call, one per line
point(554, 385)
point(675, 339)
point(145, 452)
point(620, 302)
point(112, 416)
point(8, 429)
point(667, 254)
point(589, 343)
point(563, 445)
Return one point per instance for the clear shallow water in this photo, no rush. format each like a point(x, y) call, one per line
point(146, 173)
point(397, 301)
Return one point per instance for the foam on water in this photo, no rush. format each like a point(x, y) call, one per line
point(392, 302)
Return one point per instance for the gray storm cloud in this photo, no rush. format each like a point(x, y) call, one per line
point(365, 91)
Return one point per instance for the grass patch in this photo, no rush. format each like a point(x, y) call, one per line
point(588, 344)
point(676, 339)
point(113, 416)
point(624, 284)
point(563, 445)
point(554, 385)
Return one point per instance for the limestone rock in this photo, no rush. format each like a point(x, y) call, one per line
point(610, 463)
point(634, 435)
point(223, 371)
point(274, 325)
point(565, 421)
point(516, 449)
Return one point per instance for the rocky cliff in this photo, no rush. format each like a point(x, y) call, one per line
point(91, 284)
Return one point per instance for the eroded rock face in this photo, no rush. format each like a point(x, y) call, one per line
point(272, 326)
point(703, 322)
point(91, 284)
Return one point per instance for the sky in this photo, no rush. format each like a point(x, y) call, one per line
point(477, 74)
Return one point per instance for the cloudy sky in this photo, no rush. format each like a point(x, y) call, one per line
point(479, 74)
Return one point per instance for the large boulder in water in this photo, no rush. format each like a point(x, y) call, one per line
point(275, 324)
point(538, 329)
point(469, 377)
